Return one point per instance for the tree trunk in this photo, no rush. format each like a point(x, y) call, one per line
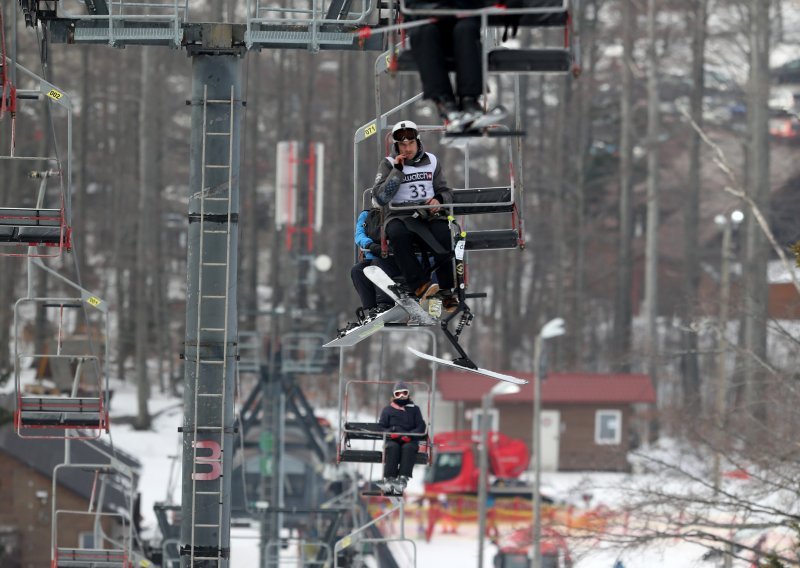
point(651, 247)
point(560, 233)
point(147, 193)
point(756, 251)
point(582, 107)
point(622, 304)
point(691, 210)
point(80, 223)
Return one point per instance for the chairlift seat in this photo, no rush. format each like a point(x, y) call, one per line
point(31, 225)
point(374, 456)
point(551, 20)
point(547, 7)
point(543, 60)
point(364, 431)
point(552, 60)
point(492, 239)
point(61, 412)
point(482, 200)
point(369, 431)
point(96, 558)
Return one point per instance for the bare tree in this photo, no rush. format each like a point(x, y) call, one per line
point(755, 253)
point(677, 499)
point(653, 222)
point(691, 268)
point(622, 303)
point(148, 193)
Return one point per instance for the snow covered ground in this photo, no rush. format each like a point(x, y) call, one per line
point(159, 451)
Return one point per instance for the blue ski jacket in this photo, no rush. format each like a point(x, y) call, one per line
point(362, 238)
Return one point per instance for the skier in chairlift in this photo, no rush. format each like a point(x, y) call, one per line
point(458, 38)
point(414, 176)
point(400, 418)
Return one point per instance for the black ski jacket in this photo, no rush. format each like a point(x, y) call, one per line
point(406, 419)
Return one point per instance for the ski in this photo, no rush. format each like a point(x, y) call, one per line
point(478, 370)
point(360, 333)
point(378, 493)
point(382, 280)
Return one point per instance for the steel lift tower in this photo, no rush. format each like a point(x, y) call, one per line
point(217, 51)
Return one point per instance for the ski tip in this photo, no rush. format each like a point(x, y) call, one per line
point(417, 353)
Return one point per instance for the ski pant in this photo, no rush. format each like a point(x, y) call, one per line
point(432, 44)
point(368, 294)
point(403, 240)
point(400, 457)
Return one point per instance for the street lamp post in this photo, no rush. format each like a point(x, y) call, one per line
point(553, 328)
point(726, 223)
point(498, 390)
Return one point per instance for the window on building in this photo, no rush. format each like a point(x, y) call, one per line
point(86, 540)
point(608, 427)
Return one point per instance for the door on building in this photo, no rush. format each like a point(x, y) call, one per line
point(551, 436)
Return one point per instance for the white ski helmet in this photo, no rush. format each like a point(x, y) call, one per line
point(405, 125)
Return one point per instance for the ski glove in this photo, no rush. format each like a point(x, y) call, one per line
point(406, 438)
point(394, 436)
point(375, 249)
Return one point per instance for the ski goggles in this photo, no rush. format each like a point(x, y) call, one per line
point(401, 393)
point(405, 134)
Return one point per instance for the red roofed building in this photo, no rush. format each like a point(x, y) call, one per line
point(589, 421)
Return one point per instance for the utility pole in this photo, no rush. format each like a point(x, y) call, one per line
point(721, 388)
point(553, 328)
point(651, 246)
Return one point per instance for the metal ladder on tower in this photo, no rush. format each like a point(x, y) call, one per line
point(207, 486)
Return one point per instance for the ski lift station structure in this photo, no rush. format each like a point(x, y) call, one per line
point(217, 51)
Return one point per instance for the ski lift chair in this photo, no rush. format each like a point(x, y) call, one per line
point(473, 201)
point(81, 414)
point(62, 416)
point(79, 557)
point(372, 432)
point(23, 228)
point(112, 533)
point(39, 223)
point(526, 13)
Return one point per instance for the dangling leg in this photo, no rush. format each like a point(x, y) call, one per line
point(469, 71)
point(363, 285)
point(402, 244)
point(444, 274)
point(391, 461)
point(430, 45)
point(408, 455)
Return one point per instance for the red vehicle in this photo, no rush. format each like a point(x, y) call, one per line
point(456, 455)
point(515, 550)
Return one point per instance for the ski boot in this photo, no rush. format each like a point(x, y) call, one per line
point(399, 484)
point(387, 485)
point(450, 114)
point(362, 318)
point(489, 118)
